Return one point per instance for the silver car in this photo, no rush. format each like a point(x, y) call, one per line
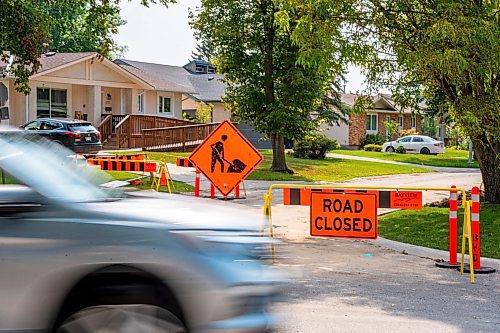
point(74, 259)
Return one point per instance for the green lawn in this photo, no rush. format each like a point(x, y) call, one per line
point(429, 227)
point(329, 169)
point(146, 185)
point(452, 158)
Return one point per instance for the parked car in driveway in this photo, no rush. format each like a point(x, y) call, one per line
point(74, 258)
point(417, 144)
point(77, 135)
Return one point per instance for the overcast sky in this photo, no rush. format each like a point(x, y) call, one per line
point(162, 35)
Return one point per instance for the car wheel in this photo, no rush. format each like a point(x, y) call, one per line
point(390, 149)
point(122, 318)
point(425, 151)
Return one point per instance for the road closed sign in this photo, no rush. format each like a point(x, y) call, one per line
point(350, 215)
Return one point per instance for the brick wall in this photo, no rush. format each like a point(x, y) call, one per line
point(357, 129)
point(382, 119)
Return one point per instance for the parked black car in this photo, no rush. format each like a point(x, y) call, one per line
point(79, 136)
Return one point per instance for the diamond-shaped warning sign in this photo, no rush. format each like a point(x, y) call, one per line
point(226, 157)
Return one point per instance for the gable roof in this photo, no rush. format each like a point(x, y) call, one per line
point(53, 61)
point(386, 99)
point(161, 77)
point(208, 87)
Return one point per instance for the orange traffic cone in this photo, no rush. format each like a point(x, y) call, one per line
point(163, 180)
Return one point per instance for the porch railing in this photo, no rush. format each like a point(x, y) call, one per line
point(106, 128)
point(178, 138)
point(128, 129)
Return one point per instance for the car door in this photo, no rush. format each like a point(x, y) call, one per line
point(405, 142)
point(417, 143)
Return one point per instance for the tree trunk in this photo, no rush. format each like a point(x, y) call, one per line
point(489, 163)
point(279, 161)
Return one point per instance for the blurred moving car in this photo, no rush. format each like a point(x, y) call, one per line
point(75, 259)
point(415, 144)
point(78, 135)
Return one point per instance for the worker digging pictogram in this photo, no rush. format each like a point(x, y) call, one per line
point(226, 157)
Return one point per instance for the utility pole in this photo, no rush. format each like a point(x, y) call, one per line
point(470, 152)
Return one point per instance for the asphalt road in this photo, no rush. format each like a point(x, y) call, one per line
point(340, 285)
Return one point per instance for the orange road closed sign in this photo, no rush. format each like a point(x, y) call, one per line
point(226, 157)
point(351, 215)
point(406, 200)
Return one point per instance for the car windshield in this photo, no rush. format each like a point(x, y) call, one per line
point(49, 168)
point(82, 127)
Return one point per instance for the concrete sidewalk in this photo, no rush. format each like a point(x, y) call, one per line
point(434, 168)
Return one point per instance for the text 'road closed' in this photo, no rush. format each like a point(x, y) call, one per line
point(352, 215)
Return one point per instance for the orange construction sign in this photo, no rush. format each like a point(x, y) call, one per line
point(226, 157)
point(406, 200)
point(351, 215)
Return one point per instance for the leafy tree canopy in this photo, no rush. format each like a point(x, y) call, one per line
point(443, 50)
point(275, 82)
point(25, 25)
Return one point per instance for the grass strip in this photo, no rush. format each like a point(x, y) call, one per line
point(451, 158)
point(429, 227)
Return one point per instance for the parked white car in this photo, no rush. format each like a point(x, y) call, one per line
point(415, 144)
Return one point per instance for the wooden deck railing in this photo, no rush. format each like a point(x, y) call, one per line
point(105, 128)
point(129, 130)
point(178, 138)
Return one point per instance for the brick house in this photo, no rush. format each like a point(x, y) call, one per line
point(372, 121)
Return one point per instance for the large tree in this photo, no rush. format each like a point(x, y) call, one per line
point(273, 85)
point(74, 27)
point(438, 47)
point(448, 47)
point(25, 25)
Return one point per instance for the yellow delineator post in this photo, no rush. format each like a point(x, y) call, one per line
point(268, 199)
point(162, 171)
point(466, 234)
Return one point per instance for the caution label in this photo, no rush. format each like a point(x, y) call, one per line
point(406, 200)
point(351, 215)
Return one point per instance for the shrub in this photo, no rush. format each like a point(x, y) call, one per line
point(407, 132)
point(372, 147)
point(401, 150)
point(373, 139)
point(314, 146)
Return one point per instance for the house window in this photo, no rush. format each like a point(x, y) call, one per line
point(387, 132)
point(413, 121)
point(211, 70)
point(51, 102)
point(199, 69)
point(371, 122)
point(164, 104)
point(400, 122)
point(140, 101)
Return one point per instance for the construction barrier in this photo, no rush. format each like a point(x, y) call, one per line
point(185, 162)
point(160, 175)
point(113, 164)
point(296, 194)
point(386, 199)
